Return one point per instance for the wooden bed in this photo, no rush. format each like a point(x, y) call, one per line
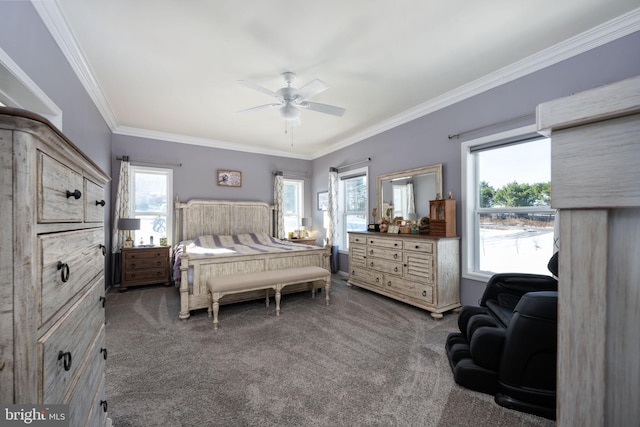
point(200, 217)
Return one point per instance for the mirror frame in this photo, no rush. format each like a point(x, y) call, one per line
point(436, 169)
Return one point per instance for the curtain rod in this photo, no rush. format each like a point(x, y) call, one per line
point(459, 134)
point(127, 159)
point(368, 159)
point(290, 173)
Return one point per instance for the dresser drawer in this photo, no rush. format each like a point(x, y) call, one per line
point(69, 261)
point(386, 253)
point(384, 242)
point(89, 380)
point(56, 184)
point(366, 276)
point(357, 239)
point(94, 202)
point(419, 246)
point(409, 288)
point(385, 266)
point(73, 334)
point(98, 411)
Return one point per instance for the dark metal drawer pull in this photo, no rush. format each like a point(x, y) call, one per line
point(104, 352)
point(64, 274)
point(103, 403)
point(103, 300)
point(66, 356)
point(100, 202)
point(76, 194)
point(103, 248)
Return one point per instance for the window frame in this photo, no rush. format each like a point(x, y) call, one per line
point(342, 237)
point(471, 209)
point(299, 183)
point(168, 173)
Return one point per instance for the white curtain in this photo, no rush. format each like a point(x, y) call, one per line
point(411, 201)
point(333, 219)
point(278, 201)
point(332, 210)
point(121, 206)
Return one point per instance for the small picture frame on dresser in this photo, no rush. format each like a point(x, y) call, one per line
point(393, 229)
point(127, 244)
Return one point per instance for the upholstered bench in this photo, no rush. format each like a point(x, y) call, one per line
point(264, 280)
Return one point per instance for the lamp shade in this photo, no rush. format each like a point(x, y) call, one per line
point(129, 224)
point(306, 222)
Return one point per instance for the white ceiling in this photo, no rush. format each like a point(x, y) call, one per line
point(168, 69)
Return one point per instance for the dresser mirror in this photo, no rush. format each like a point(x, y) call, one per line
point(407, 193)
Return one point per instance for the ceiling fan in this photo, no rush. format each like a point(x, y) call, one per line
point(292, 100)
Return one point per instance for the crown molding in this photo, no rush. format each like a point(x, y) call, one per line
point(609, 31)
point(51, 15)
point(205, 142)
point(53, 19)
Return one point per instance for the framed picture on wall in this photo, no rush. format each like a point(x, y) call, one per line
point(229, 178)
point(323, 201)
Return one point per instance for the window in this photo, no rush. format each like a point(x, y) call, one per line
point(151, 190)
point(352, 204)
point(293, 204)
point(508, 224)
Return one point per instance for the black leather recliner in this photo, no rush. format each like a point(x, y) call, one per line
point(507, 346)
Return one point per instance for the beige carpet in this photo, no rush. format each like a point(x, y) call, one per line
point(365, 360)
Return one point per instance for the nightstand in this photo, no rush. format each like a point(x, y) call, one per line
point(303, 241)
point(145, 266)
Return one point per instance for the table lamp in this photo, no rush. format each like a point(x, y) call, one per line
point(128, 224)
point(306, 222)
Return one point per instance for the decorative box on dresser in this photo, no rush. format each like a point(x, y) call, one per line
point(145, 266)
point(595, 176)
point(420, 270)
point(52, 285)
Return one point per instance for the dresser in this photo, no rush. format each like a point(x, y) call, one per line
point(52, 285)
point(145, 266)
point(419, 270)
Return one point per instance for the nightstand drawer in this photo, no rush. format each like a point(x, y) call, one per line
point(145, 263)
point(145, 275)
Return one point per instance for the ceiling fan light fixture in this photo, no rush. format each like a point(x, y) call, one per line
point(290, 112)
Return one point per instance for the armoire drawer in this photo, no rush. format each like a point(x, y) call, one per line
point(63, 348)
point(93, 202)
point(68, 262)
point(92, 375)
point(60, 192)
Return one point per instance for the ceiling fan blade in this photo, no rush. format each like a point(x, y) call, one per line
point(322, 108)
point(314, 87)
point(260, 107)
point(254, 86)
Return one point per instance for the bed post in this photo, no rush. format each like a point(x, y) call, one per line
point(184, 287)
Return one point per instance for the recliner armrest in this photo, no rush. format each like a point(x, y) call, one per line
point(507, 288)
point(486, 346)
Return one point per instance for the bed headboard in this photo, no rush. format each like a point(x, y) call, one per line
point(199, 217)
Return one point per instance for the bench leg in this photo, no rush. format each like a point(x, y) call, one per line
point(216, 308)
point(267, 297)
point(327, 288)
point(210, 307)
point(313, 290)
point(278, 296)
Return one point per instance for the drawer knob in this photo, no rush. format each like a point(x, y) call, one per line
point(389, 283)
point(103, 248)
point(100, 203)
point(104, 353)
point(371, 264)
point(395, 269)
point(76, 194)
point(377, 280)
point(395, 244)
point(395, 256)
point(103, 403)
point(424, 293)
point(64, 274)
point(417, 247)
point(66, 359)
point(371, 251)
